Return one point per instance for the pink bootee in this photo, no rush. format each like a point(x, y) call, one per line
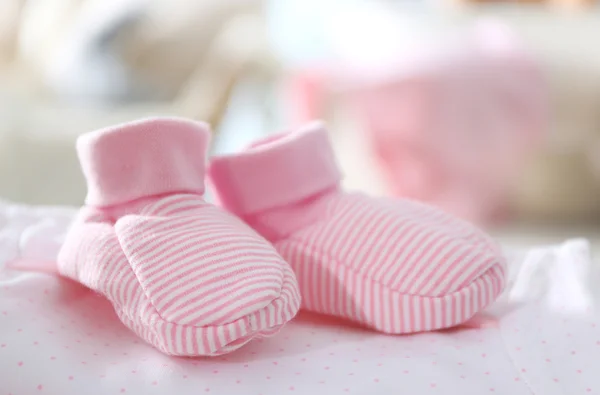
point(181, 273)
point(394, 265)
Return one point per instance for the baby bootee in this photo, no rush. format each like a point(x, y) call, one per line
point(184, 275)
point(394, 265)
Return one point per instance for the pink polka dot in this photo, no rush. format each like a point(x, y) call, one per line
point(215, 371)
point(308, 345)
point(155, 383)
point(555, 380)
point(19, 330)
point(579, 371)
point(406, 372)
point(518, 349)
point(134, 371)
point(483, 355)
point(40, 387)
point(548, 360)
point(346, 389)
point(122, 389)
point(589, 390)
point(292, 388)
point(20, 363)
point(185, 376)
point(355, 360)
point(275, 363)
point(544, 342)
point(517, 379)
point(459, 363)
point(376, 380)
point(246, 365)
point(487, 373)
point(433, 385)
point(326, 368)
point(207, 390)
point(303, 359)
point(238, 381)
point(2, 345)
point(492, 390)
point(524, 370)
point(573, 352)
point(321, 382)
point(70, 377)
point(268, 377)
point(463, 377)
point(53, 358)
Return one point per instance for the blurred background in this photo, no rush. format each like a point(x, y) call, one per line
point(490, 110)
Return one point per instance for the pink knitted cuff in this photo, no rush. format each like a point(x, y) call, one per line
point(276, 171)
point(143, 158)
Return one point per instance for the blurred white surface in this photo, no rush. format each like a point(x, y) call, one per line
point(549, 291)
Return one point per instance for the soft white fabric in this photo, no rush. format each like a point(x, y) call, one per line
point(59, 338)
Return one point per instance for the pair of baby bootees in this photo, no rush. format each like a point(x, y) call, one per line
point(197, 279)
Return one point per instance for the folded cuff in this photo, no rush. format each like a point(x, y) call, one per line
point(276, 171)
point(144, 158)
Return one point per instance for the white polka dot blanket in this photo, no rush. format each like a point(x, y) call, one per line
point(56, 337)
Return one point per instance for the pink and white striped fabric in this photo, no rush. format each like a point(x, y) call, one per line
point(397, 266)
point(182, 274)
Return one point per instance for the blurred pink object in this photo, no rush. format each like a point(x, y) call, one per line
point(449, 126)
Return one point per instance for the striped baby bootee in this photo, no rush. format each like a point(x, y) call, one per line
point(184, 275)
point(394, 265)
